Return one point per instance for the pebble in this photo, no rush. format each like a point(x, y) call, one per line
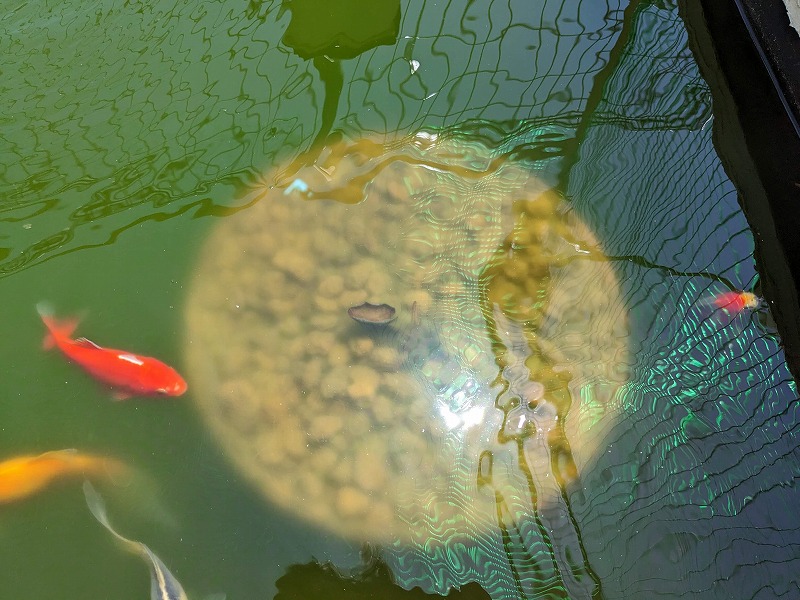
point(325, 426)
point(334, 384)
point(331, 286)
point(269, 448)
point(325, 303)
point(299, 266)
point(311, 374)
point(361, 346)
point(359, 273)
point(338, 356)
point(294, 440)
point(370, 471)
point(363, 382)
point(382, 516)
point(323, 459)
point(342, 470)
point(385, 358)
point(383, 410)
point(351, 502)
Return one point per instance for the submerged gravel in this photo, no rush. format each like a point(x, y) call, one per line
point(505, 314)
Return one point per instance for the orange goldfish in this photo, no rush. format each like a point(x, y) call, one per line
point(129, 374)
point(25, 475)
point(736, 301)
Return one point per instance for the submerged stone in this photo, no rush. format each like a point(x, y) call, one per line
point(372, 314)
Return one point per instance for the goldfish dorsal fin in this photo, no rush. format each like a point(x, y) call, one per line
point(82, 341)
point(65, 451)
point(56, 455)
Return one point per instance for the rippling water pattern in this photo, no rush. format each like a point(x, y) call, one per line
point(560, 409)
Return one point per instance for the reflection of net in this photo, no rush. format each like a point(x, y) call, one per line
point(694, 496)
point(565, 325)
point(197, 98)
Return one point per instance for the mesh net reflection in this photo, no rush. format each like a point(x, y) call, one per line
point(560, 407)
point(549, 415)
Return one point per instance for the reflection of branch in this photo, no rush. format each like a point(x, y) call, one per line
point(38, 253)
point(596, 95)
point(330, 73)
point(552, 444)
point(641, 261)
point(512, 547)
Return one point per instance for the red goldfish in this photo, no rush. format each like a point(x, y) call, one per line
point(129, 374)
point(735, 301)
point(25, 475)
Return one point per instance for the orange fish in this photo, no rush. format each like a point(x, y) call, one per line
point(25, 475)
point(735, 301)
point(129, 374)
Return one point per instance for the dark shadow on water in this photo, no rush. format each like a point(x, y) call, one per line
point(371, 581)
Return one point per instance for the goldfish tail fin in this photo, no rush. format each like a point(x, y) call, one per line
point(98, 509)
point(44, 308)
point(56, 328)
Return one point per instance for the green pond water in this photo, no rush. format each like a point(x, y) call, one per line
point(134, 131)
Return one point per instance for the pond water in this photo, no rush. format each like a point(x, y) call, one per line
point(559, 408)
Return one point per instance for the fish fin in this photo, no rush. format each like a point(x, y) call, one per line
point(44, 308)
point(120, 395)
point(68, 451)
point(56, 328)
point(163, 584)
point(98, 509)
point(86, 343)
point(62, 458)
point(115, 471)
point(97, 506)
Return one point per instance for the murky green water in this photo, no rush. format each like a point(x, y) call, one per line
point(132, 131)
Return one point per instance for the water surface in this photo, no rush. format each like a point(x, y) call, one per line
point(131, 131)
